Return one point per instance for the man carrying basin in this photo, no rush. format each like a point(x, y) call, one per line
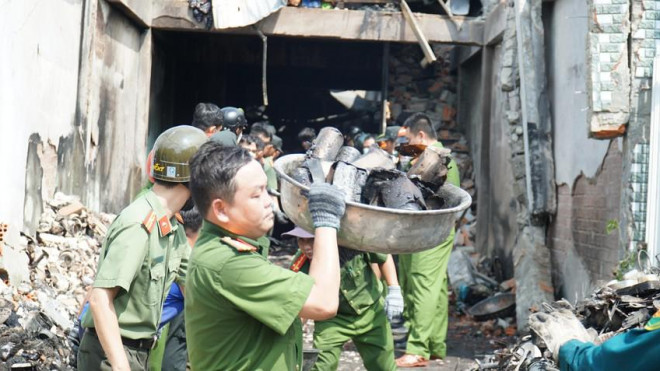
point(242, 312)
point(423, 275)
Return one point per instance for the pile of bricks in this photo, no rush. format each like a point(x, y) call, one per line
point(431, 90)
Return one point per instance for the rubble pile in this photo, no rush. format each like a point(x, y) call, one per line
point(615, 308)
point(44, 284)
point(431, 90)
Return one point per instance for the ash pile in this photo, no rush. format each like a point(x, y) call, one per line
point(373, 178)
point(615, 308)
point(44, 281)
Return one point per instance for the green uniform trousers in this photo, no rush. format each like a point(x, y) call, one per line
point(370, 333)
point(423, 279)
point(91, 355)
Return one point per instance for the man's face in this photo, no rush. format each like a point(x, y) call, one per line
point(250, 213)
point(269, 150)
point(263, 138)
point(417, 138)
point(306, 245)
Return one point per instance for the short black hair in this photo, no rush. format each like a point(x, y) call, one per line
point(192, 219)
point(259, 128)
point(307, 135)
point(207, 115)
point(212, 173)
point(420, 122)
point(248, 139)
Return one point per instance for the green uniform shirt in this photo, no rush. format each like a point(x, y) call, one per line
point(453, 177)
point(271, 175)
point(240, 308)
point(143, 253)
point(359, 288)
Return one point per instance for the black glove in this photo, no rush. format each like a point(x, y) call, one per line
point(326, 205)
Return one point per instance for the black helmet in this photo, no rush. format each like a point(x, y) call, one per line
point(172, 151)
point(233, 118)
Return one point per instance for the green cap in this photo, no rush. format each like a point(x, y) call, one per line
point(172, 151)
point(391, 132)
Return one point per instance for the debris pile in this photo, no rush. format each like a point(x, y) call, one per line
point(433, 91)
point(371, 178)
point(44, 281)
point(612, 309)
point(202, 12)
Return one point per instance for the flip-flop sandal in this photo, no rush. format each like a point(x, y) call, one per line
point(411, 360)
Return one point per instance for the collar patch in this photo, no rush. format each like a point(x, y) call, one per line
point(164, 226)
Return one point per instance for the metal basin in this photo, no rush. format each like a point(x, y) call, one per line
point(373, 228)
point(503, 305)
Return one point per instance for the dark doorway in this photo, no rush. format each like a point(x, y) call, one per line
point(226, 69)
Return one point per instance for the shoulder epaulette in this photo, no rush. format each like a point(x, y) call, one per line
point(238, 244)
point(653, 323)
point(150, 221)
point(298, 264)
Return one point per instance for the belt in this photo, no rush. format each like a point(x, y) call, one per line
point(144, 344)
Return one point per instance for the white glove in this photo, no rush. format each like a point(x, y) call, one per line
point(393, 302)
point(558, 327)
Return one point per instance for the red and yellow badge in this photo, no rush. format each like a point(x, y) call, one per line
point(164, 226)
point(298, 264)
point(239, 245)
point(149, 222)
point(653, 323)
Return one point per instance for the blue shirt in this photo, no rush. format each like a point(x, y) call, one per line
point(172, 306)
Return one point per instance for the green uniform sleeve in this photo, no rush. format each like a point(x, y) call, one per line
point(377, 258)
point(453, 177)
point(126, 248)
point(272, 295)
point(271, 178)
point(183, 268)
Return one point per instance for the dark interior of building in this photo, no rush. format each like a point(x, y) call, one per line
point(226, 69)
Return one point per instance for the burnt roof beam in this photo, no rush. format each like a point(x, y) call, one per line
point(359, 25)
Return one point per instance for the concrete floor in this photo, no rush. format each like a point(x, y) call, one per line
point(465, 342)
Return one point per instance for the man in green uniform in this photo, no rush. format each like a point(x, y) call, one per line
point(145, 251)
point(242, 311)
point(362, 315)
point(423, 275)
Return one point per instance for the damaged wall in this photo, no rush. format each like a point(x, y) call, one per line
point(584, 248)
point(566, 57)
point(39, 75)
point(589, 187)
point(102, 158)
point(644, 41)
point(73, 105)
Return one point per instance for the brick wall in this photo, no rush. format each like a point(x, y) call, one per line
point(582, 216)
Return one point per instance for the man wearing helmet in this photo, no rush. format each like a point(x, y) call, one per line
point(233, 125)
point(144, 252)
